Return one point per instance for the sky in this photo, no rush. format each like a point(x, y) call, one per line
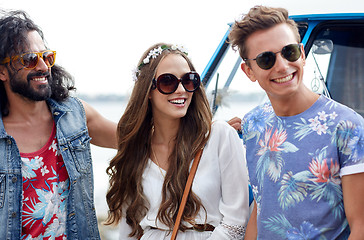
point(101, 42)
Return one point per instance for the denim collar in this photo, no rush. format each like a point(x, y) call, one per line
point(57, 109)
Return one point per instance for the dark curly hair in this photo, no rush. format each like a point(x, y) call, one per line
point(14, 27)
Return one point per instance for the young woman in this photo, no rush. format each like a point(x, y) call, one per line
point(166, 122)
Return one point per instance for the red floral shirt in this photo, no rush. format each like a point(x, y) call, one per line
point(45, 190)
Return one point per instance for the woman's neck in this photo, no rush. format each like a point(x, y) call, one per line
point(165, 132)
point(163, 142)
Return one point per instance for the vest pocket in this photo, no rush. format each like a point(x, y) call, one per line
point(2, 189)
point(80, 150)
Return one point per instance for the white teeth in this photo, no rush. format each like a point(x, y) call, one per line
point(285, 79)
point(177, 101)
point(39, 79)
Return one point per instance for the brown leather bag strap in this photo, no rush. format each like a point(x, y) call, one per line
point(185, 193)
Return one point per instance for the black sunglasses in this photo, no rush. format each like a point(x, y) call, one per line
point(168, 83)
point(266, 60)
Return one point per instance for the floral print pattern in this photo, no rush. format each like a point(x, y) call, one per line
point(295, 164)
point(45, 190)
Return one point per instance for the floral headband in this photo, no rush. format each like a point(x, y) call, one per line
point(154, 53)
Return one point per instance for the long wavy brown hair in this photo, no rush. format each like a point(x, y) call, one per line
point(125, 196)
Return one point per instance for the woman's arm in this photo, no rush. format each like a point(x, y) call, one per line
point(234, 202)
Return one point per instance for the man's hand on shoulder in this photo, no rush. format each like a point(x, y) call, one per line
point(235, 123)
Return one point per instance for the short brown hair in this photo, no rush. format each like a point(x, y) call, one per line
point(258, 18)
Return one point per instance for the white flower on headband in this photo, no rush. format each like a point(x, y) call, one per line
point(154, 53)
point(181, 48)
point(146, 60)
point(135, 73)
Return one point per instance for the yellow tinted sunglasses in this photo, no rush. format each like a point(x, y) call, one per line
point(31, 59)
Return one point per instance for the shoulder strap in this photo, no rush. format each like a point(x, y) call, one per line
point(185, 193)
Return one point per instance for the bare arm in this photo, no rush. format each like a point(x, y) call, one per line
point(101, 130)
point(353, 193)
point(251, 229)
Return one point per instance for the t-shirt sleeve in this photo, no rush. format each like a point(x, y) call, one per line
point(350, 142)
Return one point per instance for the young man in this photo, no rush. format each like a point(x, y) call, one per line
point(46, 176)
point(305, 152)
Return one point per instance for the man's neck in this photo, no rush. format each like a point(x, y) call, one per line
point(294, 104)
point(29, 123)
point(27, 110)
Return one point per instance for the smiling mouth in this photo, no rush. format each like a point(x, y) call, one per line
point(39, 79)
point(284, 79)
point(177, 101)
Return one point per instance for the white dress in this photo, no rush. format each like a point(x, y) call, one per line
point(221, 182)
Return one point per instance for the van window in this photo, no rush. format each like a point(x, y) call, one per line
point(336, 57)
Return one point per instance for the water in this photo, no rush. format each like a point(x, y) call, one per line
point(101, 156)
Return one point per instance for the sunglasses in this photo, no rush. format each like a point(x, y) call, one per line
point(168, 83)
point(266, 60)
point(31, 59)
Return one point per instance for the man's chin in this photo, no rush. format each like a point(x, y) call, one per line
point(36, 96)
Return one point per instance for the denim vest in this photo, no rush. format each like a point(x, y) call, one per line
point(74, 146)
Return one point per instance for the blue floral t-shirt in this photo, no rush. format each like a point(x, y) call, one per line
point(295, 167)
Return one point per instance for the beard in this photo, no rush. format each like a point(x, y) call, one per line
point(25, 89)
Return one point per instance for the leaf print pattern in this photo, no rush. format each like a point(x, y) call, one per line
point(306, 231)
point(321, 181)
point(291, 191)
point(294, 166)
point(342, 135)
point(271, 148)
point(327, 185)
point(50, 204)
point(351, 141)
point(356, 144)
point(45, 191)
point(279, 225)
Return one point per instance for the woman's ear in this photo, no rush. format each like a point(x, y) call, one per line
point(150, 94)
point(154, 86)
